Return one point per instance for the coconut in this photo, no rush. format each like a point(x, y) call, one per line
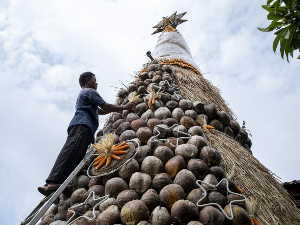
point(160, 216)
point(151, 199)
point(177, 114)
point(97, 189)
point(186, 179)
point(47, 219)
point(176, 98)
point(195, 195)
point(122, 127)
point(160, 181)
point(131, 117)
point(117, 123)
point(154, 144)
point(184, 211)
point(166, 77)
point(141, 90)
point(180, 128)
point(162, 113)
point(217, 172)
point(110, 216)
point(246, 146)
point(154, 86)
point(229, 131)
point(108, 202)
point(126, 196)
point(140, 182)
point(235, 126)
point(152, 165)
point(63, 205)
point(231, 184)
point(107, 128)
point(114, 186)
point(171, 194)
point(141, 223)
point(240, 216)
point(152, 123)
point(82, 182)
point(156, 79)
point(144, 134)
point(78, 209)
point(167, 68)
point(133, 212)
point(239, 138)
point(169, 122)
point(115, 117)
point(144, 151)
point(249, 142)
point(62, 215)
point(132, 87)
point(78, 196)
point(127, 170)
point(106, 178)
point(210, 156)
point(244, 134)
point(224, 118)
point(194, 223)
point(211, 111)
point(164, 98)
point(198, 167)
point(136, 124)
point(173, 141)
point(174, 165)
point(217, 197)
point(147, 115)
point(195, 130)
point(163, 130)
point(198, 107)
point(211, 216)
point(232, 197)
point(191, 113)
point(187, 151)
point(185, 104)
point(140, 109)
point(58, 222)
point(125, 101)
point(144, 75)
point(148, 81)
point(84, 221)
point(216, 124)
point(140, 83)
point(198, 141)
point(125, 113)
point(122, 93)
point(127, 135)
point(171, 105)
point(187, 121)
point(164, 153)
point(159, 72)
point(209, 179)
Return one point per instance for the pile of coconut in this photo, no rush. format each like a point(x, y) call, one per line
point(159, 186)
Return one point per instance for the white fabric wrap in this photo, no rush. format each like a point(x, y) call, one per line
point(171, 45)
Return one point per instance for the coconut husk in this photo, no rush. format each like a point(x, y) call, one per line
point(196, 88)
point(114, 163)
point(274, 205)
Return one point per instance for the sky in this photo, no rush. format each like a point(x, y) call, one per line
point(46, 45)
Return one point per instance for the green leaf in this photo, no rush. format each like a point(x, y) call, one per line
point(282, 47)
point(276, 41)
point(269, 2)
point(287, 35)
point(298, 57)
point(272, 16)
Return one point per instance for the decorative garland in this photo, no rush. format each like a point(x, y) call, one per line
point(180, 63)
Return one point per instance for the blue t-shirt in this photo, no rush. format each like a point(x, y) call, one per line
point(87, 109)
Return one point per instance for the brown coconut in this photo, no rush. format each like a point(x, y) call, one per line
point(151, 123)
point(224, 118)
point(141, 90)
point(231, 184)
point(122, 127)
point(217, 172)
point(217, 197)
point(132, 87)
point(177, 114)
point(240, 216)
point(171, 194)
point(141, 223)
point(195, 130)
point(152, 166)
point(131, 117)
point(126, 196)
point(198, 141)
point(209, 179)
point(157, 104)
point(169, 122)
point(122, 93)
point(127, 135)
point(216, 124)
point(176, 98)
point(171, 105)
point(144, 75)
point(47, 219)
point(144, 134)
point(95, 181)
point(62, 215)
point(127, 170)
point(154, 144)
point(107, 128)
point(156, 79)
point(108, 202)
point(106, 178)
point(184, 211)
point(186, 179)
point(195, 223)
point(144, 151)
point(110, 216)
point(235, 126)
point(212, 216)
point(195, 195)
point(187, 121)
point(125, 113)
point(97, 189)
point(163, 130)
point(160, 216)
point(136, 124)
point(198, 167)
point(211, 111)
point(133, 212)
point(180, 128)
point(198, 107)
point(187, 151)
point(114, 186)
point(140, 182)
point(244, 134)
point(172, 142)
point(164, 98)
point(79, 210)
point(162, 113)
point(167, 68)
point(233, 197)
point(78, 196)
point(115, 117)
point(63, 205)
point(151, 199)
point(191, 113)
point(174, 165)
point(147, 115)
point(249, 142)
point(185, 104)
point(164, 153)
point(160, 181)
point(141, 108)
point(228, 131)
point(210, 156)
point(117, 123)
point(84, 221)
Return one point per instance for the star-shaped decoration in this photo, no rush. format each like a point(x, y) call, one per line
point(167, 84)
point(164, 130)
point(216, 204)
point(174, 20)
point(101, 199)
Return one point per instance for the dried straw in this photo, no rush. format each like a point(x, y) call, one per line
point(274, 205)
point(196, 87)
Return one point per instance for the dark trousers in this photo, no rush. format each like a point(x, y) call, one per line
point(79, 138)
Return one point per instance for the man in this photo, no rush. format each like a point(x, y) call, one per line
point(80, 131)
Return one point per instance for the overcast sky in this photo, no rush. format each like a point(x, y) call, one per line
point(46, 45)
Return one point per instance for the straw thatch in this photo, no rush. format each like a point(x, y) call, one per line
point(274, 205)
point(196, 87)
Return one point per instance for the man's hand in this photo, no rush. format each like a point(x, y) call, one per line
point(130, 105)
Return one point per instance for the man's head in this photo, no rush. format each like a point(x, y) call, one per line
point(88, 80)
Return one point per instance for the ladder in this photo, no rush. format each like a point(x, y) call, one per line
point(44, 205)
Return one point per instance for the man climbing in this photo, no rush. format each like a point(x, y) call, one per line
point(80, 131)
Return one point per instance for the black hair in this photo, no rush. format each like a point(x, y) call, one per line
point(84, 76)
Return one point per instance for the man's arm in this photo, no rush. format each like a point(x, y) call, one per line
point(116, 108)
point(102, 112)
